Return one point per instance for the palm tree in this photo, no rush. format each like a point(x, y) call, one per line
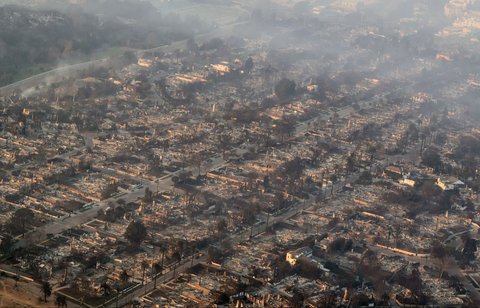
point(163, 249)
point(144, 266)
point(157, 268)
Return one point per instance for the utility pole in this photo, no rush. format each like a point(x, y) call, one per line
point(193, 255)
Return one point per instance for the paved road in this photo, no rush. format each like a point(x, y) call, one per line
point(187, 263)
point(163, 185)
point(60, 73)
point(217, 162)
point(62, 224)
point(234, 239)
point(36, 80)
point(452, 269)
point(255, 230)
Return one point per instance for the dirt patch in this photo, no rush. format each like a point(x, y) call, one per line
point(24, 295)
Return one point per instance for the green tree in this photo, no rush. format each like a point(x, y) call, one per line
point(432, 159)
point(46, 290)
point(469, 249)
point(19, 221)
point(285, 89)
point(351, 161)
point(248, 66)
point(136, 233)
point(105, 289)
point(61, 301)
point(220, 298)
point(297, 299)
point(284, 128)
point(365, 178)
point(148, 197)
point(129, 57)
point(6, 244)
point(222, 226)
point(109, 190)
point(442, 255)
point(124, 277)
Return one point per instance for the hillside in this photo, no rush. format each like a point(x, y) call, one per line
point(35, 40)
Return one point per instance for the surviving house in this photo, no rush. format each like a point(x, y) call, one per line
point(293, 256)
point(449, 183)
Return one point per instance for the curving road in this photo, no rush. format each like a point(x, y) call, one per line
point(60, 73)
point(36, 80)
